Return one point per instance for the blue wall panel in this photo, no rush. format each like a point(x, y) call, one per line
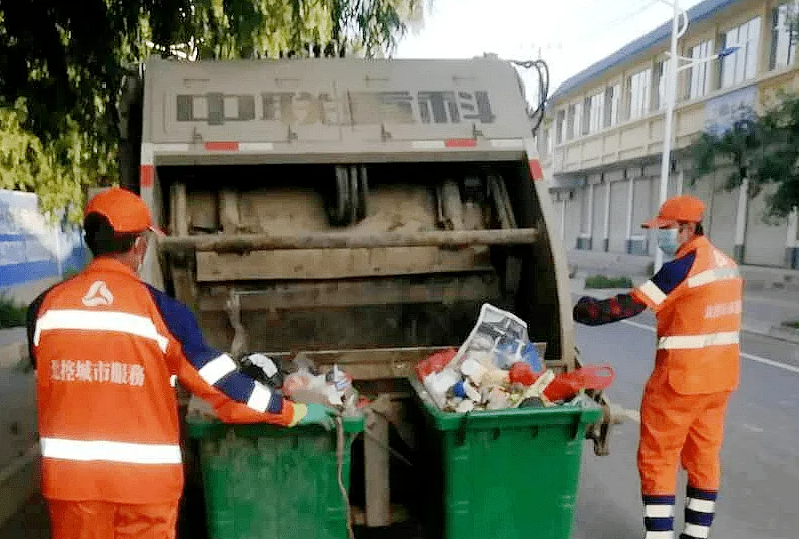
point(31, 247)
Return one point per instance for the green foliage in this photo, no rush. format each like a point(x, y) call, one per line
point(63, 63)
point(764, 149)
point(12, 314)
point(603, 281)
point(794, 324)
point(57, 169)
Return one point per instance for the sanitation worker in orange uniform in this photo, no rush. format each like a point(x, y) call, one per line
point(696, 298)
point(106, 346)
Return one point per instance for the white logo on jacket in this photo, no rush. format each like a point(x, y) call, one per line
point(98, 294)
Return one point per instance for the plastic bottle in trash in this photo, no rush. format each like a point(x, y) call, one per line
point(505, 353)
point(464, 390)
point(531, 357)
point(438, 385)
point(338, 378)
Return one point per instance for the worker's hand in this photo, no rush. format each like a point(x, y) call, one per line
point(317, 414)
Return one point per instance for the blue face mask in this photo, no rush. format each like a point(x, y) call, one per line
point(668, 241)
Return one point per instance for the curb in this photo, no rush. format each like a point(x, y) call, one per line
point(784, 334)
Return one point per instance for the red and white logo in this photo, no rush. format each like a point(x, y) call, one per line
point(98, 294)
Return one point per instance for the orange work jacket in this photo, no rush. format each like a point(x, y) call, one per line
point(697, 300)
point(106, 347)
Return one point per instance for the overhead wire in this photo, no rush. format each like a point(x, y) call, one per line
point(536, 115)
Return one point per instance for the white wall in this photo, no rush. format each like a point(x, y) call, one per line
point(618, 216)
point(765, 243)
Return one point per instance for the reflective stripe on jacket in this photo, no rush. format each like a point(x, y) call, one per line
point(106, 347)
point(697, 299)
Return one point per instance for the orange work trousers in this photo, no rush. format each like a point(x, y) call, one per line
point(103, 520)
point(676, 428)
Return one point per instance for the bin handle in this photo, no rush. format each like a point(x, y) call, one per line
point(578, 428)
point(460, 434)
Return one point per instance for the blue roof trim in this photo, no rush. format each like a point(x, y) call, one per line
point(702, 11)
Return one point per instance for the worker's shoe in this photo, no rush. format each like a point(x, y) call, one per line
point(700, 508)
point(659, 517)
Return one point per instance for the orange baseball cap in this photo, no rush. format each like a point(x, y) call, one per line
point(126, 211)
point(683, 208)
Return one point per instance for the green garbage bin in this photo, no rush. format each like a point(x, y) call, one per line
point(267, 482)
point(502, 474)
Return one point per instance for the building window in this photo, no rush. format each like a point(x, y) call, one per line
point(699, 74)
point(574, 121)
point(595, 111)
point(783, 34)
point(545, 142)
point(640, 91)
point(612, 99)
point(560, 127)
point(741, 65)
point(661, 72)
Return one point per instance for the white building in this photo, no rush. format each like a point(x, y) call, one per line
point(602, 141)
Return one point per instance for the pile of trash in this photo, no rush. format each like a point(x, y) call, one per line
point(497, 367)
point(304, 383)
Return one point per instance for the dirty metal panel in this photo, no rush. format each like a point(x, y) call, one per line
point(356, 293)
point(337, 263)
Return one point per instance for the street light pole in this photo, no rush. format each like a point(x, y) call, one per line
point(671, 98)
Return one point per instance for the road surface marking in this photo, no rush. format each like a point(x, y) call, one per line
point(633, 415)
point(637, 325)
point(752, 357)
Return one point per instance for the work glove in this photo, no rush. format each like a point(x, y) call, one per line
point(263, 368)
point(586, 310)
point(316, 414)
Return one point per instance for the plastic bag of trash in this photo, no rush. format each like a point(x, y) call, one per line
point(434, 363)
point(569, 384)
point(501, 334)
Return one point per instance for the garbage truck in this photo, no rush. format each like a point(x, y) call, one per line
point(358, 213)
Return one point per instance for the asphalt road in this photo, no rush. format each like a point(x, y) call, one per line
point(12, 336)
point(17, 413)
point(760, 459)
point(760, 490)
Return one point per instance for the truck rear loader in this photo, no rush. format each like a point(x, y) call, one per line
point(356, 212)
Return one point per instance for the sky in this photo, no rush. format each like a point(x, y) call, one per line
point(570, 34)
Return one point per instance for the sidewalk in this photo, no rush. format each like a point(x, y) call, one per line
point(759, 279)
point(763, 312)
